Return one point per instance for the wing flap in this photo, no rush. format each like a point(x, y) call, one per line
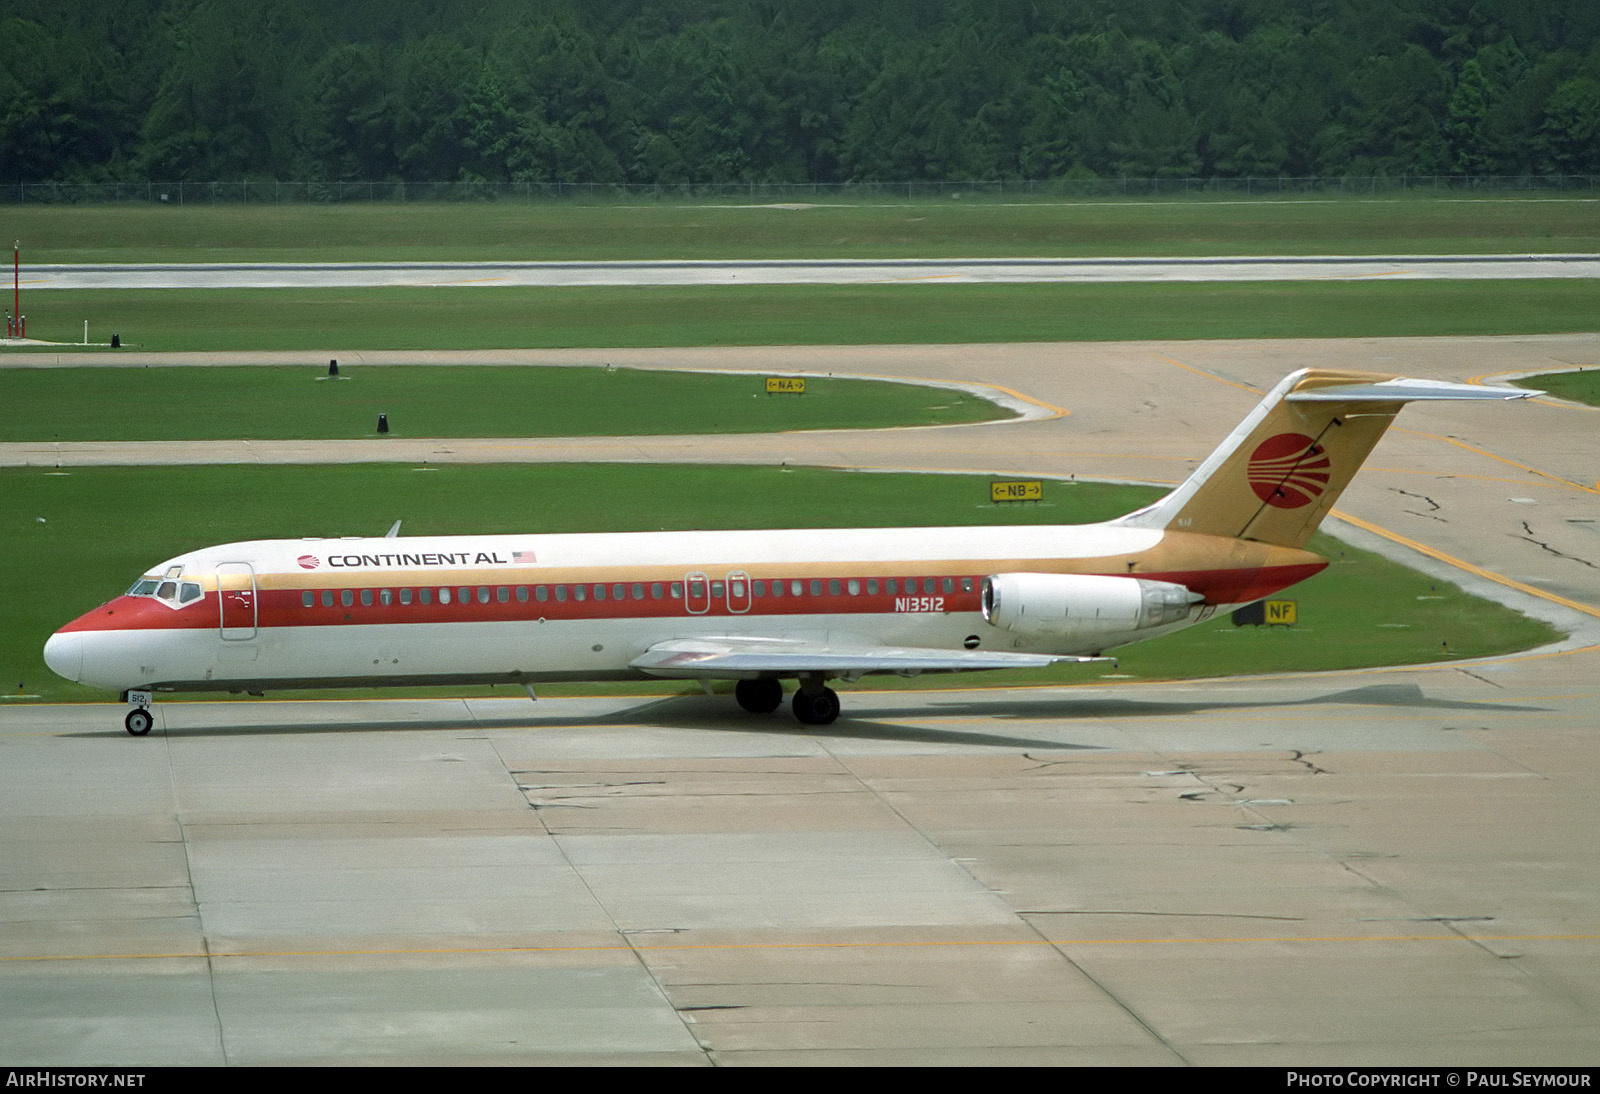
point(727, 658)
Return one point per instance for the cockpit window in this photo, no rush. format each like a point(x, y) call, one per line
point(168, 587)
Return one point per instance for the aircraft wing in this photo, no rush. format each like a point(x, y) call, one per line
point(727, 658)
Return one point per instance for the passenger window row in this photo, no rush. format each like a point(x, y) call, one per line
point(854, 586)
point(484, 594)
point(637, 591)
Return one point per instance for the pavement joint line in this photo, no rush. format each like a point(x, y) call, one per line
point(1561, 484)
point(1211, 375)
point(626, 948)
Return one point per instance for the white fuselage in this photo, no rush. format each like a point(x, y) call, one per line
point(309, 613)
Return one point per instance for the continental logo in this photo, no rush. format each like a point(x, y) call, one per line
point(1289, 470)
point(431, 558)
point(428, 558)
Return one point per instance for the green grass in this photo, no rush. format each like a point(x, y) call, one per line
point(922, 227)
point(1579, 387)
point(320, 322)
point(139, 404)
point(75, 540)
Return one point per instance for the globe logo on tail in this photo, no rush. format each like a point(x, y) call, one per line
point(1289, 470)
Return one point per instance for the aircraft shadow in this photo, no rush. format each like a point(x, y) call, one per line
point(719, 715)
point(693, 712)
point(1067, 706)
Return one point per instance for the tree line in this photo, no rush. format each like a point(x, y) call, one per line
point(686, 91)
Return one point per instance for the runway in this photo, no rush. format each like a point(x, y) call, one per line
point(1390, 867)
point(270, 275)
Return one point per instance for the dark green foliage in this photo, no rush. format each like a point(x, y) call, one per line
point(673, 91)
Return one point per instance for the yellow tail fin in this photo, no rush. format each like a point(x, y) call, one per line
point(1276, 476)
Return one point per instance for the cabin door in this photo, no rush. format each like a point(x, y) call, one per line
point(697, 593)
point(236, 591)
point(738, 592)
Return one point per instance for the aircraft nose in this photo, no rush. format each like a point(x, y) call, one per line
point(64, 654)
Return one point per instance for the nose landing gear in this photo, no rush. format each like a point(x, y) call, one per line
point(139, 719)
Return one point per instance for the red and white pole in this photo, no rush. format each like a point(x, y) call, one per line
point(16, 284)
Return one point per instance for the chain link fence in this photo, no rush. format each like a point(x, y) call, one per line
point(272, 192)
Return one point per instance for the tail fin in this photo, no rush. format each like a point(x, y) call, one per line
point(1277, 474)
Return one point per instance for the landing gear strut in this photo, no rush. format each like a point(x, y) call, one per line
point(759, 696)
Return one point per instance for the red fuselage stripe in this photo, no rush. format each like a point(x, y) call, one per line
point(286, 607)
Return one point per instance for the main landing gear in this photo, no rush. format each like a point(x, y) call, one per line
point(761, 696)
point(815, 704)
point(816, 707)
point(139, 719)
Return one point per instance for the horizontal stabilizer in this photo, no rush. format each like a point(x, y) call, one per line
point(1403, 389)
point(1281, 470)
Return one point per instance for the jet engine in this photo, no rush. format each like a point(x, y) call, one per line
point(1061, 604)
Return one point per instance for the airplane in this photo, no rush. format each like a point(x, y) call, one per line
point(754, 607)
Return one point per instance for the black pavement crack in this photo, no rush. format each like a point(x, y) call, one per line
point(1408, 494)
point(1529, 538)
point(1300, 757)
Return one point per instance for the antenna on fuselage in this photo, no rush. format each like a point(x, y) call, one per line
point(394, 530)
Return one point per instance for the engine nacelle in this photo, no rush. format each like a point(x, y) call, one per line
point(1063, 604)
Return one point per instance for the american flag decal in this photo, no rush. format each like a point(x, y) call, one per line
point(523, 556)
